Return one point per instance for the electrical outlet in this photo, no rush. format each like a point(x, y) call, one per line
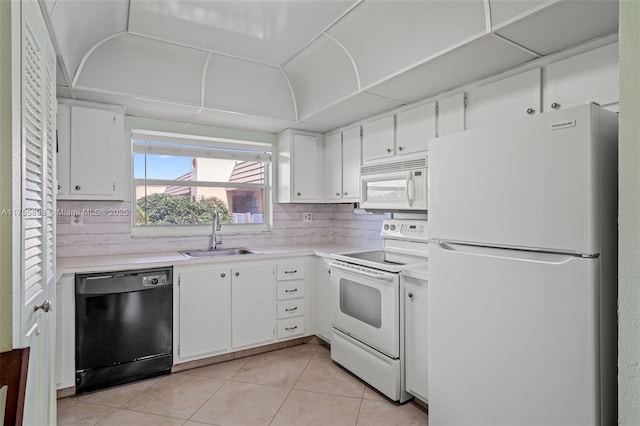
point(307, 217)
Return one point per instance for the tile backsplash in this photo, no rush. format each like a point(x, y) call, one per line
point(102, 228)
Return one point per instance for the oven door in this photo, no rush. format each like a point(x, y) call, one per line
point(365, 305)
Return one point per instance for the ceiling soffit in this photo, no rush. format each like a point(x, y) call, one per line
point(313, 63)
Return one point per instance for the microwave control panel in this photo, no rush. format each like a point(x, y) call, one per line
point(405, 229)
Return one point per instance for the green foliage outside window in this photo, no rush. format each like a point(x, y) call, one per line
point(164, 209)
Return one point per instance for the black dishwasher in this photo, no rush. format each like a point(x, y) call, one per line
point(124, 327)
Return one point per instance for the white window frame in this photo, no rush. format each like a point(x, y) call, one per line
point(203, 147)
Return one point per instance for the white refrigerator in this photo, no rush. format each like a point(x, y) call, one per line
point(523, 272)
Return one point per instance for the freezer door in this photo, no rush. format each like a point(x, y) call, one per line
point(538, 182)
point(512, 338)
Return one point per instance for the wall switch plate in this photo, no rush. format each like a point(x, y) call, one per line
point(307, 217)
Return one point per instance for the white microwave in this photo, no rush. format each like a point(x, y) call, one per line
point(394, 186)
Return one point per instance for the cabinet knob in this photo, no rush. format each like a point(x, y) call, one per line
point(555, 105)
point(410, 295)
point(531, 111)
point(344, 193)
point(77, 187)
point(388, 149)
point(400, 148)
point(337, 194)
point(299, 194)
point(46, 306)
point(237, 274)
point(223, 275)
point(58, 187)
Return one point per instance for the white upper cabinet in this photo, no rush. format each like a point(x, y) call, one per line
point(506, 11)
point(414, 127)
point(451, 114)
point(90, 153)
point(333, 166)
point(515, 96)
point(384, 37)
point(589, 77)
point(351, 162)
point(298, 167)
point(378, 139)
point(342, 153)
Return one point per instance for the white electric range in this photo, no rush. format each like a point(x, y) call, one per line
point(367, 316)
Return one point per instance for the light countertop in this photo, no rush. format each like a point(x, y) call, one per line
point(85, 264)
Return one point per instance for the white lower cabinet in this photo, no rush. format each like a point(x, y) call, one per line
point(415, 302)
point(290, 300)
point(205, 307)
point(323, 298)
point(252, 313)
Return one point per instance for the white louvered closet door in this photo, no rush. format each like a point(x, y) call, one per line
point(37, 211)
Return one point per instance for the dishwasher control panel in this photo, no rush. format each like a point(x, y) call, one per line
point(154, 280)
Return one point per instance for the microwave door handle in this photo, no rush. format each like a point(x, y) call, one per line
point(410, 190)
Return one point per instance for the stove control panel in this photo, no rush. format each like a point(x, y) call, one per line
point(405, 229)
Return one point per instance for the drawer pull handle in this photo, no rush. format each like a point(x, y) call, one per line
point(291, 291)
point(291, 328)
point(291, 309)
point(291, 272)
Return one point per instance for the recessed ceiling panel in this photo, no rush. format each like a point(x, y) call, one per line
point(350, 110)
point(506, 10)
point(481, 58)
point(385, 37)
point(321, 75)
point(147, 68)
point(237, 85)
point(264, 31)
point(80, 25)
point(565, 24)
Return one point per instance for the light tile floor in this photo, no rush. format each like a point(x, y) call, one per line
point(296, 386)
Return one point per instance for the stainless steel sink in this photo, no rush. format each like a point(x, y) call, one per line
point(193, 254)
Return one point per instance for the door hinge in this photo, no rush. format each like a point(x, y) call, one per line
point(114, 119)
point(114, 186)
point(465, 101)
point(179, 279)
point(361, 132)
point(178, 350)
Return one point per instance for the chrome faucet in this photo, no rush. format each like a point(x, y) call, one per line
point(216, 237)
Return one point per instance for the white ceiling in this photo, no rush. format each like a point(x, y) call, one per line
point(307, 64)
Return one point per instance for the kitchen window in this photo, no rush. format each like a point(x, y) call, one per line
point(179, 180)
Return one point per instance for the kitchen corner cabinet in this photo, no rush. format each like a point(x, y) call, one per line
point(515, 96)
point(90, 152)
point(415, 302)
point(298, 167)
point(414, 127)
point(342, 160)
point(204, 312)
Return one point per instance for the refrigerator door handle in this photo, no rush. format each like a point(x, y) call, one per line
point(505, 253)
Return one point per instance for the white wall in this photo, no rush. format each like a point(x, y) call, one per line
point(629, 216)
point(112, 234)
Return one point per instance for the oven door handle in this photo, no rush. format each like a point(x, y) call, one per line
point(381, 276)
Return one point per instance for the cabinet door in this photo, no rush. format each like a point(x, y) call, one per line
point(252, 306)
point(590, 77)
point(416, 340)
point(323, 299)
point(450, 116)
point(205, 299)
point(63, 150)
point(351, 162)
point(510, 97)
point(333, 166)
point(414, 128)
point(95, 140)
point(378, 139)
point(305, 167)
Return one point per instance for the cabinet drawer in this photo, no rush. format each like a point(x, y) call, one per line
point(290, 308)
point(290, 271)
point(290, 327)
point(290, 290)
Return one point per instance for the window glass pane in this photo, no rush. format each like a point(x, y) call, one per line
point(361, 302)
